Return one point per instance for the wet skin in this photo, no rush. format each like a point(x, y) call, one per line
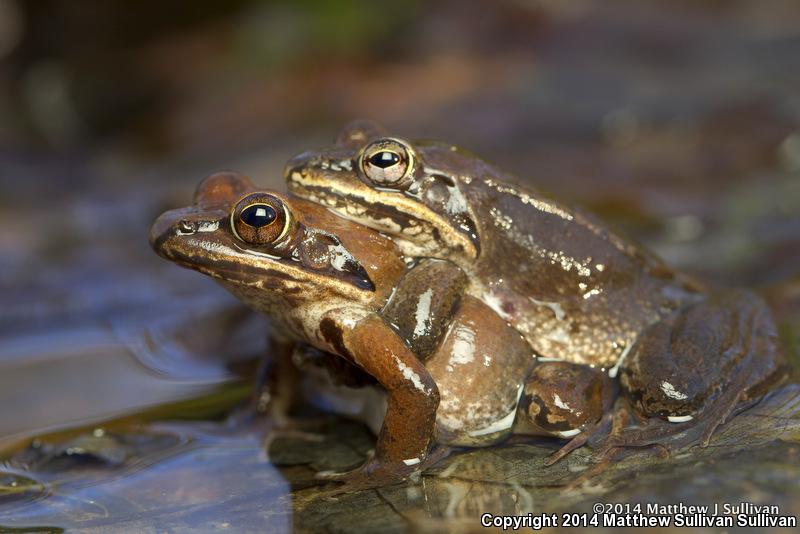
point(452, 369)
point(577, 292)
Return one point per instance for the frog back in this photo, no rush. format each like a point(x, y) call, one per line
point(575, 290)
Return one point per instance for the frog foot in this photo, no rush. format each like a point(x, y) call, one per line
point(613, 423)
point(581, 439)
point(678, 433)
point(725, 355)
point(369, 476)
point(376, 473)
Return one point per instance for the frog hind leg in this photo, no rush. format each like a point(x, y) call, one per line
point(568, 400)
point(672, 378)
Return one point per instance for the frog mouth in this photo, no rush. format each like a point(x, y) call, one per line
point(187, 237)
point(203, 244)
point(377, 215)
point(187, 247)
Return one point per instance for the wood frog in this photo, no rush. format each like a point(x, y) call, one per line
point(578, 293)
point(453, 370)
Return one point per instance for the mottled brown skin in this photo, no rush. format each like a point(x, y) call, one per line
point(576, 291)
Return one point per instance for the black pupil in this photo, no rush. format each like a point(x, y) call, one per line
point(258, 215)
point(384, 159)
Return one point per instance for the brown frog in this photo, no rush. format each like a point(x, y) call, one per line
point(577, 292)
point(453, 371)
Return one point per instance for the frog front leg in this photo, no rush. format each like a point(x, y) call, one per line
point(275, 386)
point(690, 372)
point(412, 399)
point(276, 381)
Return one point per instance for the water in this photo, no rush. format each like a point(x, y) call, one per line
point(181, 476)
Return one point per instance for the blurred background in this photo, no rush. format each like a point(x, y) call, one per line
point(678, 122)
point(678, 119)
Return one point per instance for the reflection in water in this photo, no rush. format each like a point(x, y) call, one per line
point(199, 476)
point(244, 474)
point(80, 451)
point(174, 356)
point(19, 488)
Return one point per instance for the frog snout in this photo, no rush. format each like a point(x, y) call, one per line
point(161, 229)
point(297, 164)
point(175, 224)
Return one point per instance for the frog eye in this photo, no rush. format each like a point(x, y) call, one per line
point(388, 163)
point(260, 219)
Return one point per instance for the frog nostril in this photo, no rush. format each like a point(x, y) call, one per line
point(186, 227)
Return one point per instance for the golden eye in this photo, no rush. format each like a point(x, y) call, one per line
point(388, 163)
point(260, 219)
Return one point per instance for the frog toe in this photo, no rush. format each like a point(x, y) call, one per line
point(379, 473)
point(370, 475)
point(581, 438)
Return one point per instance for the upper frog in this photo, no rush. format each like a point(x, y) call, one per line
point(574, 289)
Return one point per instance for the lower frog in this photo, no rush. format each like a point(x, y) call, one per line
point(685, 357)
point(453, 371)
